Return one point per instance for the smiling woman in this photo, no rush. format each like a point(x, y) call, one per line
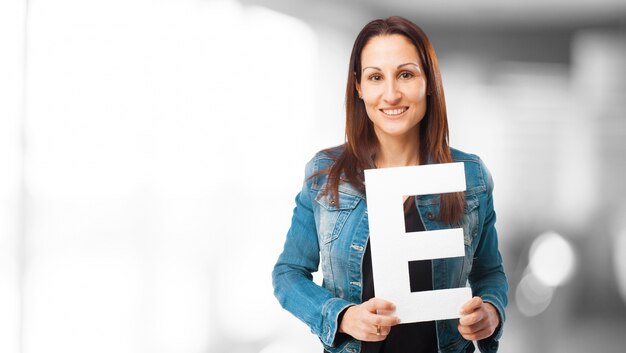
point(393, 90)
point(395, 116)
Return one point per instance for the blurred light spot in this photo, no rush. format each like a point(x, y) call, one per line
point(532, 296)
point(552, 259)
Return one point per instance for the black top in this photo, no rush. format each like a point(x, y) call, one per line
point(418, 337)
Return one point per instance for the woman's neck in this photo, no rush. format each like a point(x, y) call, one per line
point(397, 153)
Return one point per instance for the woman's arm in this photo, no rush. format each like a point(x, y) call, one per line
point(487, 277)
point(292, 275)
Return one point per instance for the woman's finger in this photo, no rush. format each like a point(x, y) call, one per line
point(475, 336)
point(383, 320)
point(375, 305)
point(469, 329)
point(373, 338)
point(471, 305)
point(473, 318)
point(381, 330)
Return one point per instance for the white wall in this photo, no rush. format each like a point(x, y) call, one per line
point(12, 35)
point(166, 142)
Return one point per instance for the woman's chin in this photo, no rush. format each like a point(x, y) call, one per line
point(396, 132)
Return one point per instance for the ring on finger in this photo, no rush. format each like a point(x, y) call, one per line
point(377, 330)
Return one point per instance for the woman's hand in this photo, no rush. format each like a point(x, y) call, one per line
point(478, 319)
point(365, 324)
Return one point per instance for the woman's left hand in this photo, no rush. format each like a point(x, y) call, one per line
point(478, 319)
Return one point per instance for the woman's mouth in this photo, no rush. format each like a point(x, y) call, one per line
point(394, 112)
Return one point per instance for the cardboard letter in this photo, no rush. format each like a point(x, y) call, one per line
point(392, 248)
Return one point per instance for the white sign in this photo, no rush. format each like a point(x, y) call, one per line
point(392, 248)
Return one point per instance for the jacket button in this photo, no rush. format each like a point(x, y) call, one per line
point(430, 216)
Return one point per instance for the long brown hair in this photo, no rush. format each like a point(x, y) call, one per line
point(361, 142)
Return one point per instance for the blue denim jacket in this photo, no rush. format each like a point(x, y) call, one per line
point(335, 235)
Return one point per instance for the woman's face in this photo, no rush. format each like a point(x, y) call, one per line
point(393, 86)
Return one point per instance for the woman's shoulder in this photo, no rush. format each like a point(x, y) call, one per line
point(461, 156)
point(331, 154)
point(477, 176)
point(323, 159)
point(319, 166)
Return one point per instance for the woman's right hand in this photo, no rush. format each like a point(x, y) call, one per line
point(365, 324)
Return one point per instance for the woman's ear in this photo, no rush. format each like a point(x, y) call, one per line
point(358, 89)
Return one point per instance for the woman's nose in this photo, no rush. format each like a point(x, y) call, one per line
point(392, 92)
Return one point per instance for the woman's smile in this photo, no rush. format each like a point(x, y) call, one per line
point(394, 113)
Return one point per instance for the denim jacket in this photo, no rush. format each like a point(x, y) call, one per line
point(335, 234)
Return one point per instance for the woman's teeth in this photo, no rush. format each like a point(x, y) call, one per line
point(394, 111)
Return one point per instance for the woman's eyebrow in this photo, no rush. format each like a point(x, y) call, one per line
point(413, 63)
point(371, 67)
point(399, 66)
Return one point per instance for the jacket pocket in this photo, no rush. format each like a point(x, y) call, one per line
point(333, 214)
point(469, 222)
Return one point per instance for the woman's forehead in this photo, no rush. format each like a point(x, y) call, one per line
point(387, 50)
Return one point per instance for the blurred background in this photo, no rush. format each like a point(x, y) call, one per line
point(150, 152)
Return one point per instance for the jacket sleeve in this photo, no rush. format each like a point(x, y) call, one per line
point(292, 274)
point(487, 277)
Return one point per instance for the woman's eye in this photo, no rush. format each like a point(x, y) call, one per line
point(376, 77)
point(406, 74)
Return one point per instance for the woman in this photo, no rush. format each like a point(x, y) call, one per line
point(395, 116)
